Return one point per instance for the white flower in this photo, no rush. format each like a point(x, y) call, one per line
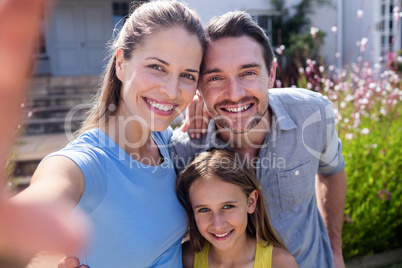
point(343, 104)
point(321, 68)
point(360, 13)
point(314, 31)
point(334, 29)
point(365, 131)
point(349, 136)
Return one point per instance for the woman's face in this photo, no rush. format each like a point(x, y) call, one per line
point(160, 78)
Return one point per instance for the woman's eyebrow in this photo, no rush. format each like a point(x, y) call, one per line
point(158, 59)
point(167, 64)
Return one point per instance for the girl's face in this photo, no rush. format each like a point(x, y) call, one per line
point(220, 209)
point(160, 78)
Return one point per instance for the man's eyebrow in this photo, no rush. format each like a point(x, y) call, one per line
point(214, 70)
point(250, 65)
point(191, 71)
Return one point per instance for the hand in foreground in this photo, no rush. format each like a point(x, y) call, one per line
point(24, 229)
point(197, 117)
point(70, 262)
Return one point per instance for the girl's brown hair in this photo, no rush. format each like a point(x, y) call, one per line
point(145, 19)
point(229, 167)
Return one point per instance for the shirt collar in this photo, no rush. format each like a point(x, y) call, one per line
point(283, 119)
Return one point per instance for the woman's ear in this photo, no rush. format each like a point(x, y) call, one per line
point(120, 64)
point(252, 201)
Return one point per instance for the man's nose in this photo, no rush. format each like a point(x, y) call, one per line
point(235, 91)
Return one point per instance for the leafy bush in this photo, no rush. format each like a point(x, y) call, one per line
point(368, 112)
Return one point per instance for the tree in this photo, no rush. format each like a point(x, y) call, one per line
point(294, 38)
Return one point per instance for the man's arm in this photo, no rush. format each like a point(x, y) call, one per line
point(331, 198)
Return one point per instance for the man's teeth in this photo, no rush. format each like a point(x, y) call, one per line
point(222, 235)
point(240, 109)
point(161, 107)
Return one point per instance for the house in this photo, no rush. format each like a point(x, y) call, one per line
point(75, 33)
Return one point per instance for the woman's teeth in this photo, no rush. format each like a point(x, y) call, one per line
point(161, 107)
point(240, 109)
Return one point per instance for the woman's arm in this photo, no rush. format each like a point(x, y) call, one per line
point(41, 212)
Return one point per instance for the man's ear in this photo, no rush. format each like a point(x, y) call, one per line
point(252, 201)
point(120, 64)
point(272, 75)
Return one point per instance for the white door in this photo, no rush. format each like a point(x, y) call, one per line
point(80, 32)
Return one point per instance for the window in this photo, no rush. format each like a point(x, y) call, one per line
point(40, 45)
point(266, 23)
point(386, 25)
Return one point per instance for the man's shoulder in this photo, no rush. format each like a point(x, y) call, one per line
point(298, 96)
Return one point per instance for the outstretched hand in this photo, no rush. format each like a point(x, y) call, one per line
point(197, 117)
point(24, 229)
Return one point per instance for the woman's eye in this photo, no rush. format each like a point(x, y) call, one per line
point(189, 76)
point(156, 67)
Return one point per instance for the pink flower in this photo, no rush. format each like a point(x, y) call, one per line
point(360, 13)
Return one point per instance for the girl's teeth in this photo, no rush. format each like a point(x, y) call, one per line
point(159, 106)
point(236, 110)
point(222, 235)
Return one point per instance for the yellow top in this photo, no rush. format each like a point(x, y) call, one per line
point(263, 257)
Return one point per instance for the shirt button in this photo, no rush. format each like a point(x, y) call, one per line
point(297, 173)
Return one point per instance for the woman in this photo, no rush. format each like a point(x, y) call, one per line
point(118, 171)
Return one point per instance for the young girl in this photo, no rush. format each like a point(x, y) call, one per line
point(228, 222)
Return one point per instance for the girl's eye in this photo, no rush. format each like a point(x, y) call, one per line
point(189, 76)
point(156, 67)
point(203, 210)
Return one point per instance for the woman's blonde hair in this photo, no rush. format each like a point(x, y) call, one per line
point(229, 167)
point(144, 20)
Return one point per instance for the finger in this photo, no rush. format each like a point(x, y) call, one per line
point(205, 120)
point(190, 114)
point(198, 119)
point(185, 126)
point(68, 262)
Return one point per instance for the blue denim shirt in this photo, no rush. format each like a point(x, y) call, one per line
point(302, 141)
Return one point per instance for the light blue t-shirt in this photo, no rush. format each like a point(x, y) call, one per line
point(135, 216)
point(302, 141)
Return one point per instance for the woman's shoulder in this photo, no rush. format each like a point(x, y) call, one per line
point(282, 258)
point(188, 254)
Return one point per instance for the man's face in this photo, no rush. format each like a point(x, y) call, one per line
point(235, 83)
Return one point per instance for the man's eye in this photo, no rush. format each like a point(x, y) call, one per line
point(227, 206)
point(215, 78)
point(249, 73)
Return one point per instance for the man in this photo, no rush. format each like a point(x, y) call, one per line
point(287, 135)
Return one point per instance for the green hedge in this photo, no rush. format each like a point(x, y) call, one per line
point(367, 102)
